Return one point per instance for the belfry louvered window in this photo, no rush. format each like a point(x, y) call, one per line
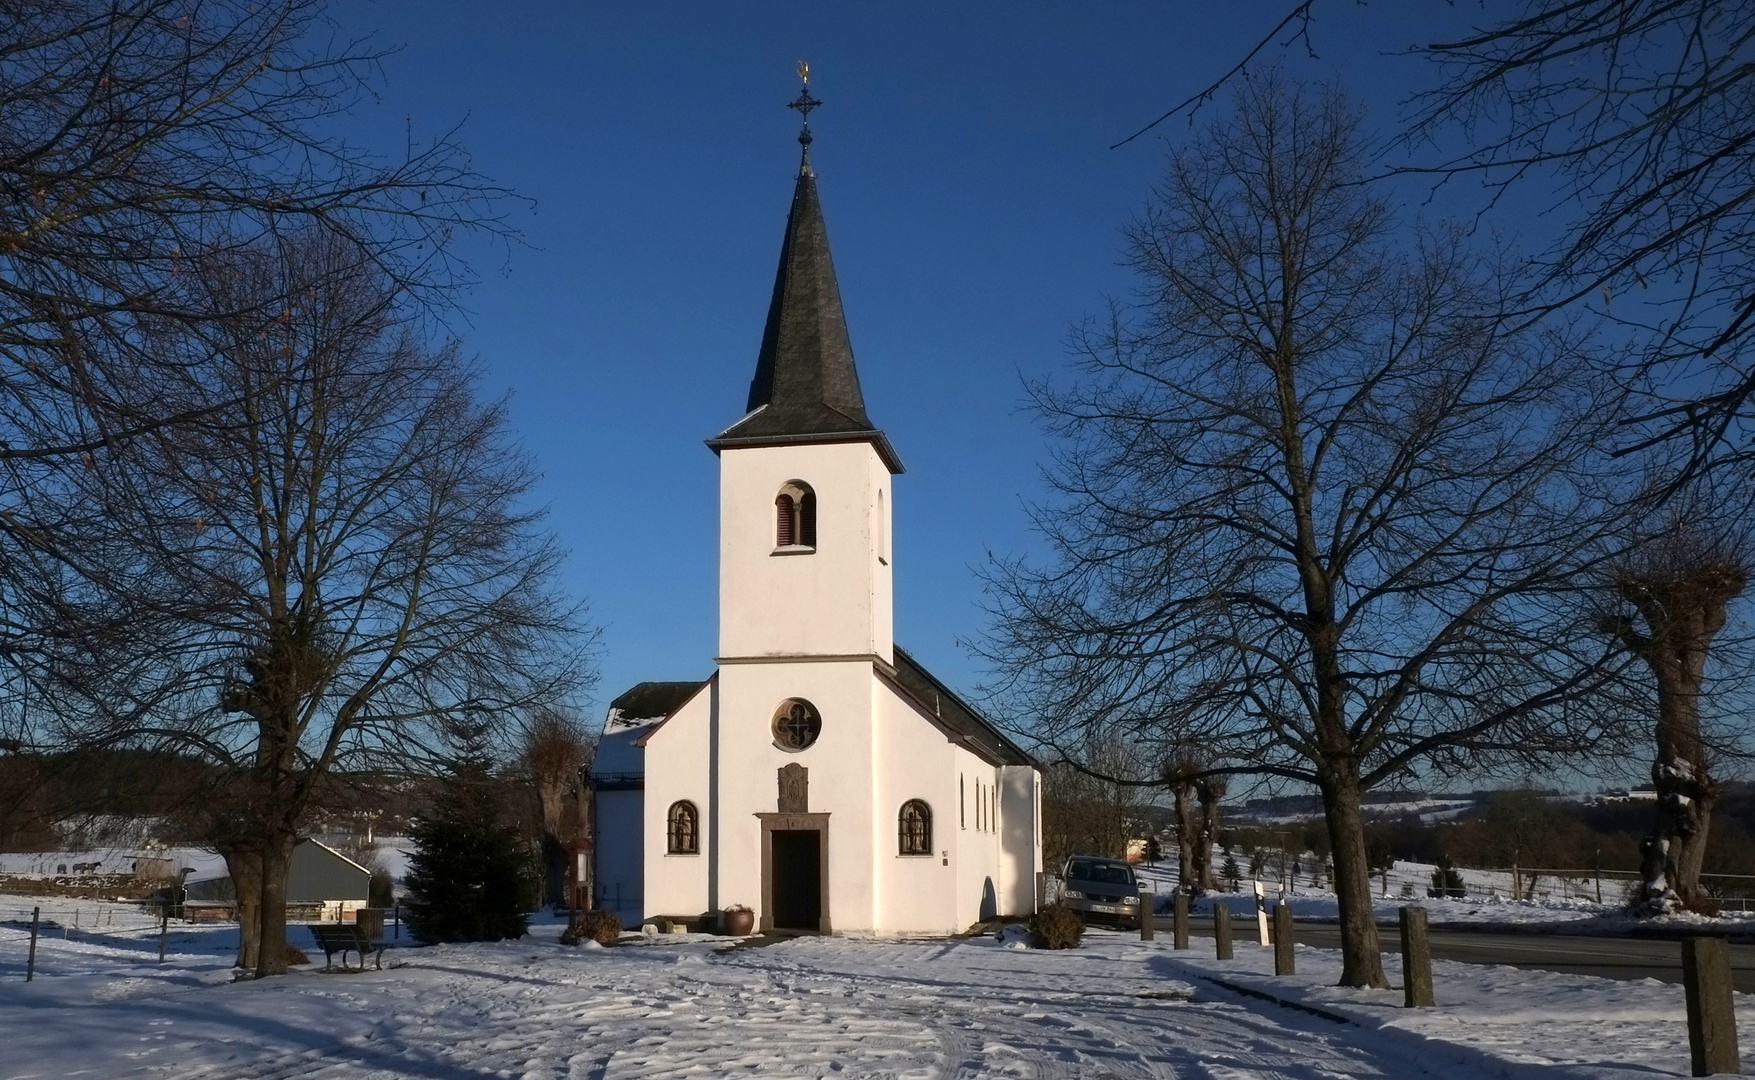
point(795, 519)
point(784, 517)
point(914, 828)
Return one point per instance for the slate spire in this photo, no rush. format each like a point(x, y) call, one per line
point(806, 388)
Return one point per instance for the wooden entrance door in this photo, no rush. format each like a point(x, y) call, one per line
point(798, 879)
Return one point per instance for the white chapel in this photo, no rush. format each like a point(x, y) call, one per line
point(820, 777)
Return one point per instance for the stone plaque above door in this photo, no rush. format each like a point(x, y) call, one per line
point(794, 789)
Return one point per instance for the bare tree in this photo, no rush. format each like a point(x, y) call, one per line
point(1317, 513)
point(1672, 596)
point(1086, 810)
point(555, 754)
point(359, 570)
point(1640, 115)
point(1180, 774)
point(136, 138)
point(1632, 121)
point(1210, 791)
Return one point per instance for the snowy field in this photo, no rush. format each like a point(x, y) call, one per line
point(687, 1006)
point(1574, 915)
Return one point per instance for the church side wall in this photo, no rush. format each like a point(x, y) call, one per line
point(1020, 857)
point(913, 760)
point(978, 840)
point(678, 756)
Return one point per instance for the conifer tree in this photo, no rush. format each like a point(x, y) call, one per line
point(469, 878)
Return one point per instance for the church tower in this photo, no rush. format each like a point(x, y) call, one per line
point(804, 488)
point(821, 778)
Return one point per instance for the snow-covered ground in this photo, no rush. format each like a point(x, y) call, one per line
point(686, 1005)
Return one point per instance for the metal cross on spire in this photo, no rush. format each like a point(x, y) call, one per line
point(804, 104)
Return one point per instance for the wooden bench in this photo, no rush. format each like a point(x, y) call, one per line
point(341, 938)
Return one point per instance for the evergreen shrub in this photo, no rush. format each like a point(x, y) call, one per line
point(469, 877)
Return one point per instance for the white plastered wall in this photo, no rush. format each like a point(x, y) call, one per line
point(835, 601)
point(977, 858)
point(839, 766)
point(678, 766)
point(1020, 857)
point(913, 759)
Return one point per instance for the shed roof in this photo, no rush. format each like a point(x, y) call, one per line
point(649, 701)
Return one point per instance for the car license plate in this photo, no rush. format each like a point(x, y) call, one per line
point(1109, 909)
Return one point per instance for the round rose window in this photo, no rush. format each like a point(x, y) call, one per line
point(796, 725)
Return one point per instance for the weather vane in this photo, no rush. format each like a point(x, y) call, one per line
point(805, 103)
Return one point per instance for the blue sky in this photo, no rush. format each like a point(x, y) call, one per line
point(973, 207)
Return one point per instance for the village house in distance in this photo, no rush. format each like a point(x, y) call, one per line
point(821, 777)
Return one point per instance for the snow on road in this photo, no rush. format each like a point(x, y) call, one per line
point(686, 1006)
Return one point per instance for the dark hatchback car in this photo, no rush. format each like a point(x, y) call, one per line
point(1101, 889)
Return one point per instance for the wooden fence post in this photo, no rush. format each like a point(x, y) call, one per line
point(1712, 1023)
point(164, 929)
point(1146, 916)
point(1284, 964)
point(1416, 960)
point(1041, 890)
point(30, 965)
point(1222, 930)
point(1179, 921)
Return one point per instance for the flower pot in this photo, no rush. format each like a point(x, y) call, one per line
point(739, 921)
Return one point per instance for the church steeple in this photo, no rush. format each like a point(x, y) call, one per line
point(806, 388)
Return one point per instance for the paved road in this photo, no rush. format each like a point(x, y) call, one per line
point(1610, 957)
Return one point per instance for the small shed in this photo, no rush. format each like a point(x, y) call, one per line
point(321, 883)
point(319, 874)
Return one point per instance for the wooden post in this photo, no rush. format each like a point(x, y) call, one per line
point(1222, 930)
point(1041, 890)
point(396, 912)
point(30, 965)
point(1712, 1024)
point(1283, 962)
point(1179, 921)
point(1416, 960)
point(164, 929)
point(1146, 916)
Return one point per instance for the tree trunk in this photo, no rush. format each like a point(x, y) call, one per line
point(554, 859)
point(245, 867)
point(1361, 962)
point(1187, 830)
point(1212, 793)
point(1686, 794)
point(276, 856)
point(1682, 595)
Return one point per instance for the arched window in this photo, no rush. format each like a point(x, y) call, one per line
point(685, 829)
point(914, 828)
point(795, 518)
